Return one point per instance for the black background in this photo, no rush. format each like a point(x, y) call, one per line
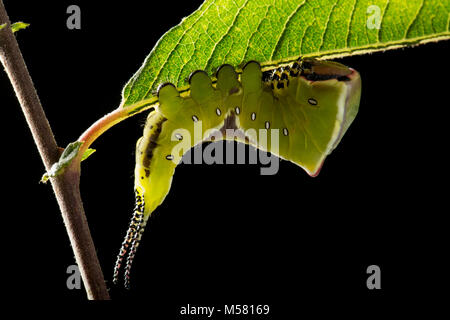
point(225, 234)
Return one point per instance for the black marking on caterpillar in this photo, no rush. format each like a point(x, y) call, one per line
point(152, 142)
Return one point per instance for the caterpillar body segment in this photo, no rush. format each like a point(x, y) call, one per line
point(308, 105)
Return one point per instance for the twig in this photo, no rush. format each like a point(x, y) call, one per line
point(65, 186)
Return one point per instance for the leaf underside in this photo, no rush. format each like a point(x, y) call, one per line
point(273, 32)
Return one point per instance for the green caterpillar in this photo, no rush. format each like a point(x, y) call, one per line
point(311, 103)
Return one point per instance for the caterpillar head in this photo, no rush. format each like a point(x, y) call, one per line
point(332, 91)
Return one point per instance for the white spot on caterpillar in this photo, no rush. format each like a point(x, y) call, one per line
point(253, 116)
point(169, 157)
point(285, 131)
point(194, 118)
point(312, 101)
point(218, 112)
point(267, 125)
point(237, 110)
point(178, 136)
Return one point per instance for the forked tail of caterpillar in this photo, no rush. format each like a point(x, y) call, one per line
point(131, 241)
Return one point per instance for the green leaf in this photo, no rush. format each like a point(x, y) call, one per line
point(69, 153)
point(19, 26)
point(271, 32)
point(16, 26)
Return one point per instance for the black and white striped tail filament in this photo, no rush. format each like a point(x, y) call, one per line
point(131, 242)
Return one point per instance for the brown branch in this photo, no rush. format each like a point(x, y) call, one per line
point(66, 186)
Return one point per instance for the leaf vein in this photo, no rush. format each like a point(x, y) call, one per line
point(382, 18)
point(254, 32)
point(175, 47)
point(413, 20)
point(284, 28)
point(347, 41)
point(326, 25)
point(226, 32)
